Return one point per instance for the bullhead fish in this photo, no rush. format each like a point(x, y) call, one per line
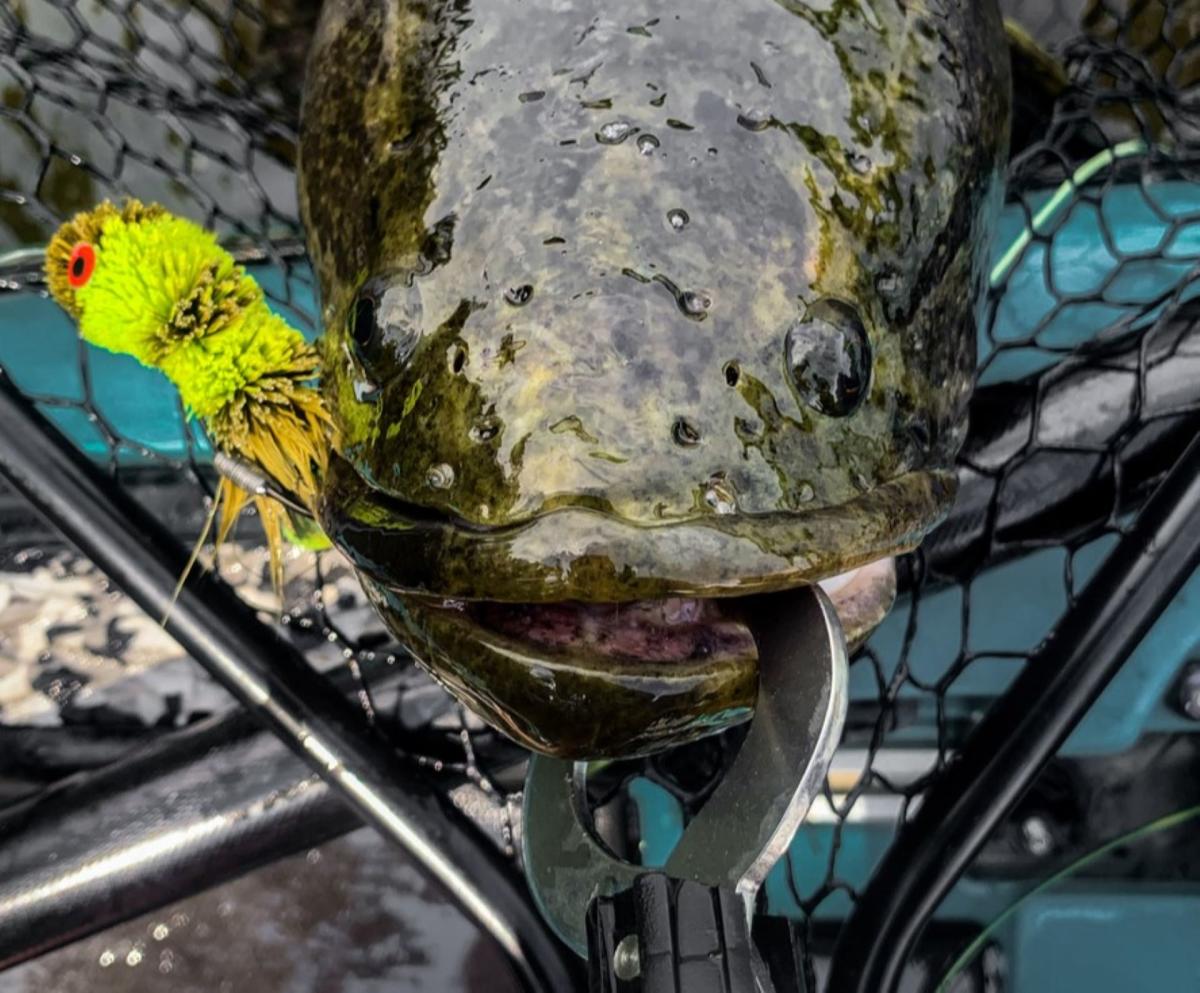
point(634, 310)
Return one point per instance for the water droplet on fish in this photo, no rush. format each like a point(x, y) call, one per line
point(647, 143)
point(518, 296)
point(685, 433)
point(614, 132)
point(828, 358)
point(678, 219)
point(887, 282)
point(720, 497)
point(754, 119)
point(365, 391)
point(695, 304)
point(678, 125)
point(531, 96)
point(712, 153)
point(858, 162)
point(485, 429)
point(440, 476)
point(805, 493)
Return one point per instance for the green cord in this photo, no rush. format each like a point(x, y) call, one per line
point(1001, 270)
point(1152, 827)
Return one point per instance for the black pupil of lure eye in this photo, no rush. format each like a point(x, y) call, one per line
point(77, 266)
point(363, 327)
point(829, 358)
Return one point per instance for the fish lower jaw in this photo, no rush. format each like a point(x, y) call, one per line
point(607, 680)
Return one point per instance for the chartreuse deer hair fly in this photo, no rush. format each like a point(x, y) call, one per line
point(142, 282)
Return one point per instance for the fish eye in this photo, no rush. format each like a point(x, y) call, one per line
point(828, 356)
point(364, 329)
point(384, 323)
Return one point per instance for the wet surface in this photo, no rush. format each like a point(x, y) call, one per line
point(348, 917)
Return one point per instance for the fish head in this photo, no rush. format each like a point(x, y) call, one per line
point(631, 324)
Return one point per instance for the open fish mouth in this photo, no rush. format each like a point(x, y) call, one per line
point(602, 639)
point(599, 680)
point(673, 629)
point(679, 630)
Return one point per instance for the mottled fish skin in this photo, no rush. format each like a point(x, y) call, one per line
point(627, 299)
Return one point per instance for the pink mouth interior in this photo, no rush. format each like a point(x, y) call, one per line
point(674, 629)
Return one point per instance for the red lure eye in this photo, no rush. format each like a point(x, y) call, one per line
point(81, 264)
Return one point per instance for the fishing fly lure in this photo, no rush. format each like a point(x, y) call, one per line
point(145, 283)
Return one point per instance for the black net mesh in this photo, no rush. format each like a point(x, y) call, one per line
point(1089, 384)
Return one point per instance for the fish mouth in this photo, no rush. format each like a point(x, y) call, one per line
point(667, 631)
point(608, 680)
point(585, 637)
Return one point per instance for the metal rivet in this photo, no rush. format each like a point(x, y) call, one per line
point(1036, 834)
point(1189, 691)
point(627, 959)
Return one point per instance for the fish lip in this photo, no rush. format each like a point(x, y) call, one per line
point(571, 701)
point(574, 553)
point(577, 693)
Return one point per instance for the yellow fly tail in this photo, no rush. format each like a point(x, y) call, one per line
point(274, 519)
point(280, 424)
point(231, 498)
point(226, 506)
